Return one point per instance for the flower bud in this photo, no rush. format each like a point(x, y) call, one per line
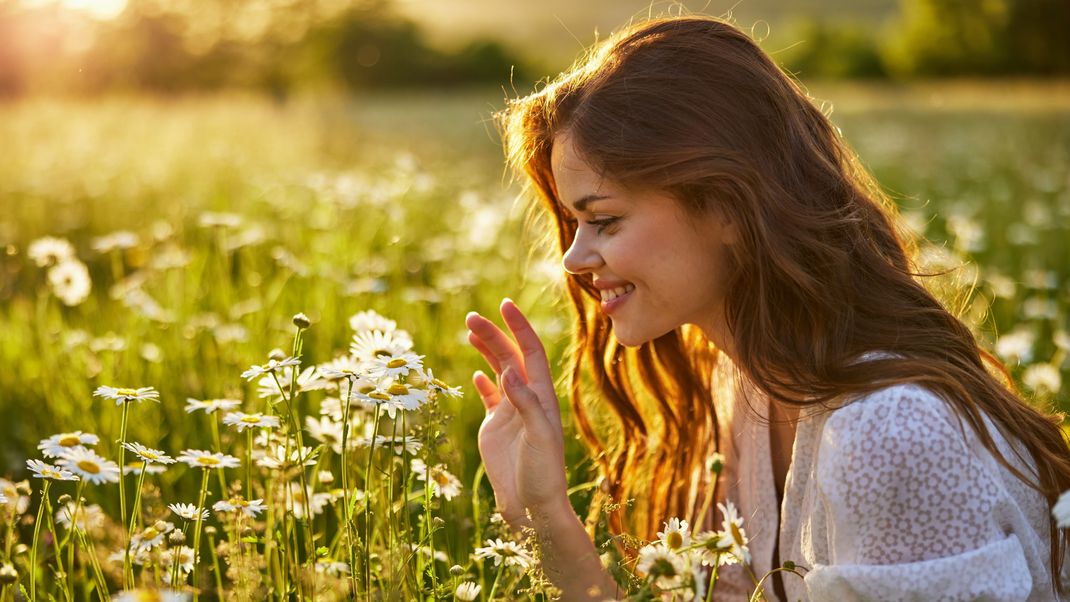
point(326, 477)
point(176, 537)
point(210, 531)
point(301, 321)
point(64, 499)
point(8, 575)
point(456, 570)
point(716, 463)
point(438, 523)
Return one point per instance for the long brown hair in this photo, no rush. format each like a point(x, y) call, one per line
point(820, 273)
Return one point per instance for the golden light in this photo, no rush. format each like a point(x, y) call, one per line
point(99, 9)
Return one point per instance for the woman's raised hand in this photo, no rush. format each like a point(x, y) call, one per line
point(521, 440)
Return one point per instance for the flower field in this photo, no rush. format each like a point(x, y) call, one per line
point(234, 344)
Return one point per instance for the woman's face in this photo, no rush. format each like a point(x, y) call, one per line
point(656, 265)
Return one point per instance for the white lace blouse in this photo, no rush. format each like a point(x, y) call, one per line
point(887, 498)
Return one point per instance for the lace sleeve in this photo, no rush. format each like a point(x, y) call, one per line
point(914, 506)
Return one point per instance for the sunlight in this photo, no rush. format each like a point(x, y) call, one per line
point(100, 9)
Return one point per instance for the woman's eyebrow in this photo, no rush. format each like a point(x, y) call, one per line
point(581, 204)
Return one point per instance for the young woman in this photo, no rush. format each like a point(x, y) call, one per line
point(723, 243)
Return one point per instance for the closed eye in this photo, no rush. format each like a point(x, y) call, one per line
point(602, 223)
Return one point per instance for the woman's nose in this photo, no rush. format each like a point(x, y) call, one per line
point(580, 257)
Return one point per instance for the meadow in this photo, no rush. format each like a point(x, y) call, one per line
point(198, 227)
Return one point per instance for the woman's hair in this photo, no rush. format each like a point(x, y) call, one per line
point(819, 275)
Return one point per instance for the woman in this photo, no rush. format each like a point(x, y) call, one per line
point(712, 221)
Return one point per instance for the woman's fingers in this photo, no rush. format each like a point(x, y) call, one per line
point(500, 349)
point(487, 390)
point(477, 342)
point(527, 405)
point(531, 347)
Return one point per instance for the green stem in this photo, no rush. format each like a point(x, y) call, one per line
point(36, 533)
point(248, 465)
point(494, 586)
point(197, 531)
point(134, 512)
point(122, 489)
point(219, 447)
point(367, 503)
point(49, 512)
point(345, 491)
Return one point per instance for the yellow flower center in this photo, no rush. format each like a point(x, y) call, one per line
point(674, 540)
point(379, 396)
point(736, 535)
point(89, 466)
point(126, 392)
point(366, 389)
point(208, 460)
point(148, 455)
point(440, 478)
point(70, 440)
point(396, 363)
point(149, 533)
point(251, 419)
point(439, 383)
point(398, 389)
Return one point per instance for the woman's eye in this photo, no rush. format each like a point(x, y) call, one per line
point(602, 223)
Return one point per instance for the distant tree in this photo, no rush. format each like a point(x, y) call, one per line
point(833, 50)
point(981, 37)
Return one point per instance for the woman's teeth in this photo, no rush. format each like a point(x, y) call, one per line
point(613, 293)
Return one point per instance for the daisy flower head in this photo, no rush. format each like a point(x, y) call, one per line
point(271, 367)
point(137, 466)
point(391, 366)
point(188, 511)
point(211, 405)
point(89, 517)
point(662, 566)
point(440, 387)
point(250, 508)
point(70, 281)
point(332, 567)
point(197, 458)
point(294, 501)
point(676, 534)
point(116, 241)
point(467, 591)
point(151, 536)
point(123, 395)
point(398, 396)
point(242, 421)
point(89, 466)
point(276, 458)
point(732, 537)
point(512, 553)
point(444, 484)
point(147, 454)
point(49, 250)
point(368, 345)
point(41, 470)
point(710, 552)
point(328, 432)
point(345, 368)
point(308, 380)
point(369, 320)
point(56, 445)
point(186, 559)
point(408, 443)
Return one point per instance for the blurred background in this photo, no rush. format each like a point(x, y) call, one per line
point(211, 167)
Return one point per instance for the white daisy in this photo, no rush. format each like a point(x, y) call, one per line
point(328, 432)
point(89, 517)
point(710, 551)
point(409, 444)
point(332, 567)
point(188, 511)
point(676, 534)
point(70, 281)
point(251, 508)
point(442, 388)
point(121, 239)
point(186, 559)
point(369, 345)
point(467, 591)
point(122, 395)
point(345, 368)
point(211, 405)
point(444, 484)
point(42, 470)
point(151, 536)
point(370, 320)
point(219, 219)
point(398, 397)
point(89, 466)
point(294, 501)
point(147, 454)
point(307, 380)
point(49, 250)
point(271, 367)
point(394, 365)
point(276, 458)
point(1043, 378)
point(197, 458)
point(56, 445)
point(242, 421)
point(732, 536)
point(511, 552)
point(137, 466)
point(662, 566)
